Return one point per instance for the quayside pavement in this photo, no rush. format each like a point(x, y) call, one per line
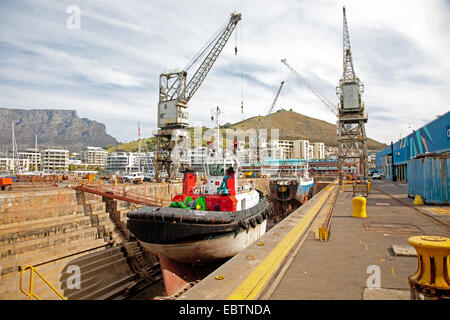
point(362, 252)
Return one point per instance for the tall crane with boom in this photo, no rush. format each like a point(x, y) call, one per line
point(174, 95)
point(352, 140)
point(275, 99)
point(264, 142)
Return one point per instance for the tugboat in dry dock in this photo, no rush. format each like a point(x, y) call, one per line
point(205, 223)
point(289, 189)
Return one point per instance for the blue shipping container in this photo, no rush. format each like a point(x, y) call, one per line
point(429, 177)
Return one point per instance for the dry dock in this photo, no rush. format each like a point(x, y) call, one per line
point(289, 262)
point(58, 228)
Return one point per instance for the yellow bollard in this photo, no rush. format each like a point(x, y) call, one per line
point(432, 278)
point(418, 201)
point(323, 234)
point(359, 207)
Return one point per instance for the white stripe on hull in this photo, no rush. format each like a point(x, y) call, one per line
point(208, 250)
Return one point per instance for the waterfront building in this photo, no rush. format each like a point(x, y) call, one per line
point(286, 147)
point(94, 156)
point(33, 156)
point(54, 159)
point(126, 162)
point(119, 162)
point(8, 165)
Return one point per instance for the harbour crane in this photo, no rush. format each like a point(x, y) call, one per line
point(174, 95)
point(330, 105)
point(258, 142)
point(352, 139)
point(275, 99)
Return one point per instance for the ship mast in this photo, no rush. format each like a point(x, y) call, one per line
point(215, 116)
point(139, 146)
point(13, 148)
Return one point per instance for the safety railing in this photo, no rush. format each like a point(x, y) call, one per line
point(347, 183)
point(361, 188)
point(123, 194)
point(31, 293)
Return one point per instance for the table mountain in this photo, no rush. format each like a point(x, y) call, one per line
point(53, 128)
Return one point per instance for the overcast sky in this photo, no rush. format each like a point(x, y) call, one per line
point(108, 69)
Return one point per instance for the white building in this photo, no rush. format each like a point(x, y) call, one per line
point(286, 147)
point(272, 150)
point(54, 159)
point(33, 156)
point(318, 150)
point(300, 149)
point(310, 152)
point(94, 156)
point(119, 162)
point(129, 162)
point(146, 161)
point(16, 165)
point(74, 159)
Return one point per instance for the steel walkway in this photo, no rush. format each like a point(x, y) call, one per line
point(123, 195)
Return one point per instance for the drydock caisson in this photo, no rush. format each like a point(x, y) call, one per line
point(206, 223)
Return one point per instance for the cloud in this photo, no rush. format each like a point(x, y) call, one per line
point(109, 69)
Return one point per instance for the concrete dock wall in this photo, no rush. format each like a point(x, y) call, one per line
point(55, 228)
point(48, 228)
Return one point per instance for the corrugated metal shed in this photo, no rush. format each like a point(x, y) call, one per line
point(429, 177)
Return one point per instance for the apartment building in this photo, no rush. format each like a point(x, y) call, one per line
point(129, 162)
point(272, 151)
point(318, 150)
point(94, 156)
point(300, 149)
point(285, 147)
point(295, 149)
point(119, 162)
point(33, 156)
point(54, 159)
point(10, 164)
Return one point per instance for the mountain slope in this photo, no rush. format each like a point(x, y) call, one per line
point(53, 127)
point(295, 126)
point(291, 125)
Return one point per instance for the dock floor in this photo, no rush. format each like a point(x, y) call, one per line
point(344, 266)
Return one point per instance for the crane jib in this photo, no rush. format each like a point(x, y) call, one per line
point(210, 59)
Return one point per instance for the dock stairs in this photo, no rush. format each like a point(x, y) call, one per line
point(53, 231)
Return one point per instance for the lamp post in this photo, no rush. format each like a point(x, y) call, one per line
point(394, 176)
